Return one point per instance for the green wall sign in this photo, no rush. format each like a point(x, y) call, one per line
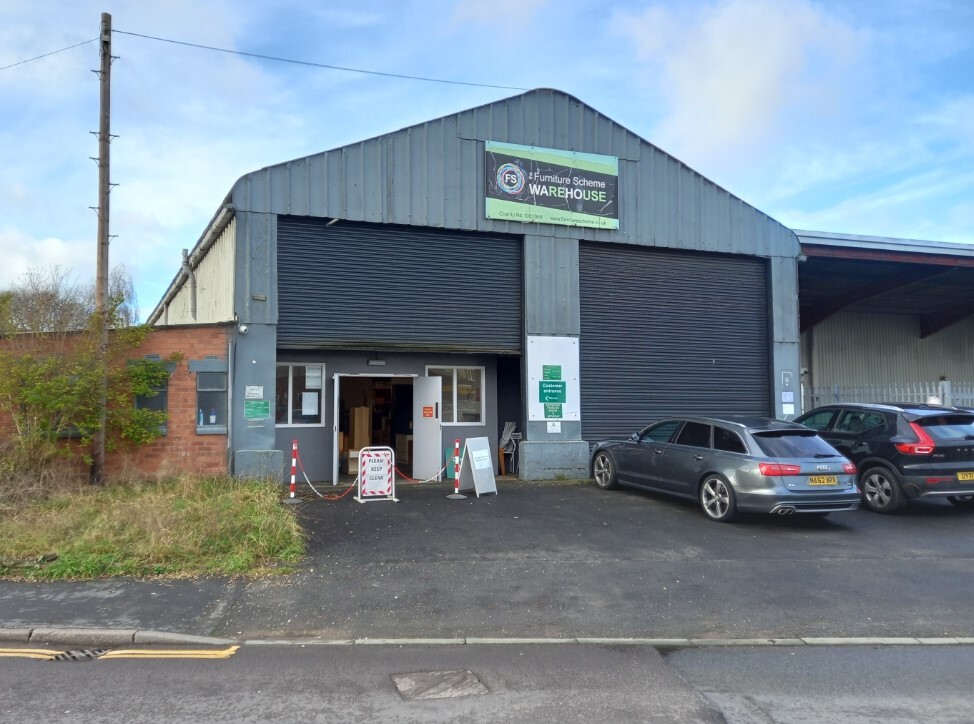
point(257, 409)
point(551, 372)
point(552, 410)
point(552, 390)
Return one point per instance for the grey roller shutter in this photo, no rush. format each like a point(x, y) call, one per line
point(363, 286)
point(669, 333)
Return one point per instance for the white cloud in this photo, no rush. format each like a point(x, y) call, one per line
point(739, 74)
point(811, 111)
point(22, 252)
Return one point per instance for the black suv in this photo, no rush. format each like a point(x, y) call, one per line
point(902, 450)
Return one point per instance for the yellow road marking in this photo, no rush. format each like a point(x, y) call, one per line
point(171, 653)
point(47, 654)
point(29, 653)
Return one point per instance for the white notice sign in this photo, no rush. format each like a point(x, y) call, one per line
point(477, 470)
point(254, 392)
point(481, 459)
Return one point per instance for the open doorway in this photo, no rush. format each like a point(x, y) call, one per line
point(401, 412)
point(373, 411)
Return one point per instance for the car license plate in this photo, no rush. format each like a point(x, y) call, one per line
point(823, 480)
point(965, 476)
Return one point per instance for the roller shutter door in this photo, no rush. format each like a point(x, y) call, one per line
point(358, 286)
point(669, 333)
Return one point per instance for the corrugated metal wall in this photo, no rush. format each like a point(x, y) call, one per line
point(362, 286)
point(667, 333)
point(214, 285)
point(851, 348)
point(432, 175)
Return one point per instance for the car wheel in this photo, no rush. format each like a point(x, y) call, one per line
point(604, 470)
point(881, 491)
point(962, 501)
point(717, 499)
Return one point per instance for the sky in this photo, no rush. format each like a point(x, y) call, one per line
point(845, 116)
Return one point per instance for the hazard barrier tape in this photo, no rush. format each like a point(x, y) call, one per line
point(319, 494)
point(296, 463)
point(428, 480)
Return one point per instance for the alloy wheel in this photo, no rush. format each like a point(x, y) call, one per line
point(878, 490)
point(715, 498)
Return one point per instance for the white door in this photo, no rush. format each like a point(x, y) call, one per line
point(334, 433)
point(427, 435)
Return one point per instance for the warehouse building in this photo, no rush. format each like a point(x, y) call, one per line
point(529, 261)
point(885, 319)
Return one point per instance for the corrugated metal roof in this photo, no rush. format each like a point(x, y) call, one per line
point(933, 281)
point(884, 243)
point(432, 174)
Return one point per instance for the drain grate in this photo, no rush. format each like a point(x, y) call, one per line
point(80, 655)
point(438, 685)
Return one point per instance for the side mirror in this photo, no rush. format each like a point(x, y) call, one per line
point(634, 437)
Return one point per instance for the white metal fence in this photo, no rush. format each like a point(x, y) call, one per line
point(939, 391)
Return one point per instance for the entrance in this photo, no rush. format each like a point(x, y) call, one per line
point(397, 411)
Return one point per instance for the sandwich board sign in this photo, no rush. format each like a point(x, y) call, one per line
point(377, 476)
point(477, 467)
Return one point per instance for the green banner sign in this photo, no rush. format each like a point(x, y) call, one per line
point(552, 411)
point(549, 186)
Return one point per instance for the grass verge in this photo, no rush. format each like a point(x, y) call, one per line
point(178, 528)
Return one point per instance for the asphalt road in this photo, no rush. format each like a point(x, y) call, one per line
point(535, 683)
point(560, 560)
point(555, 683)
point(824, 685)
point(572, 560)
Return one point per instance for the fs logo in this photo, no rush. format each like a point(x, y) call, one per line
point(510, 178)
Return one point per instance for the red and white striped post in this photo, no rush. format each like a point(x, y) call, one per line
point(294, 471)
point(456, 495)
point(456, 466)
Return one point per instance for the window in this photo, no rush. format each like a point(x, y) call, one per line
point(661, 432)
point(794, 444)
point(873, 424)
point(820, 420)
point(948, 427)
point(728, 441)
point(463, 393)
point(211, 402)
point(158, 399)
point(849, 421)
point(298, 394)
point(159, 402)
point(694, 434)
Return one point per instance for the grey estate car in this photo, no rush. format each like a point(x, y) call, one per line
point(732, 464)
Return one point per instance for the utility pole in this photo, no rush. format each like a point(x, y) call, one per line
point(97, 474)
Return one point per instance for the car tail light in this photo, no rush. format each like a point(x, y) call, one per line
point(779, 469)
point(924, 446)
point(849, 468)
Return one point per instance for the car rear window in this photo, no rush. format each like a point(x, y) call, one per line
point(793, 444)
point(948, 427)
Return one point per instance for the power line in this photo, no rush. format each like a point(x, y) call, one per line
point(53, 52)
point(322, 65)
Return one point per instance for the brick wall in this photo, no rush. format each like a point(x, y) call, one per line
point(182, 449)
